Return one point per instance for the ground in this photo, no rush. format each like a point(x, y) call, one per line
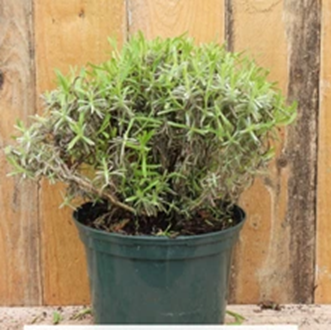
point(307, 317)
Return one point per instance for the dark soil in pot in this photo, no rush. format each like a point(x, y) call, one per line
point(101, 216)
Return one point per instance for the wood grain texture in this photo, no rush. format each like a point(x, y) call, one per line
point(204, 20)
point(262, 257)
point(275, 257)
point(20, 279)
point(303, 31)
point(323, 230)
point(68, 33)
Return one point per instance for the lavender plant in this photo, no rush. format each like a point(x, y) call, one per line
point(162, 127)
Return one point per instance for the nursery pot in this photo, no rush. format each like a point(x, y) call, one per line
point(158, 280)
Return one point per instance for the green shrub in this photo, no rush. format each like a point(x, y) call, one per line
point(163, 126)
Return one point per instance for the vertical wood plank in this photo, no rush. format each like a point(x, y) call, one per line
point(323, 237)
point(303, 30)
point(262, 258)
point(68, 33)
point(20, 280)
point(275, 258)
point(203, 20)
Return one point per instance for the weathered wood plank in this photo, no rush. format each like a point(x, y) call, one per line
point(303, 32)
point(323, 228)
point(204, 20)
point(262, 258)
point(20, 280)
point(275, 258)
point(68, 33)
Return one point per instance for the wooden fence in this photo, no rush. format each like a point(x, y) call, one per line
point(284, 254)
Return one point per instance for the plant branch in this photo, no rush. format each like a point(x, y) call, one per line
point(68, 176)
point(89, 187)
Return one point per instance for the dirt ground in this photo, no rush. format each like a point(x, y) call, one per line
point(307, 317)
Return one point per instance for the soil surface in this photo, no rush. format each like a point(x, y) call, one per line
point(307, 317)
point(99, 216)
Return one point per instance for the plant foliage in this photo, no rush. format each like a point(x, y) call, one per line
point(163, 126)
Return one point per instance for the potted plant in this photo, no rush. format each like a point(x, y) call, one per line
point(160, 141)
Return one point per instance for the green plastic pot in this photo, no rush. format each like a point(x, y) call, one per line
point(158, 280)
